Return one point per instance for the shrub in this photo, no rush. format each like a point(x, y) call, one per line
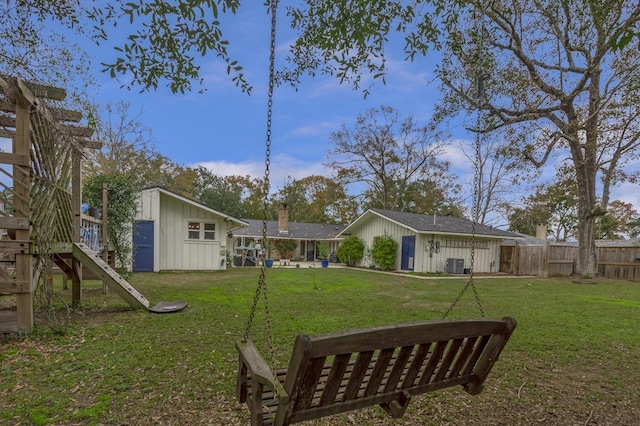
point(384, 252)
point(121, 212)
point(286, 248)
point(322, 251)
point(351, 251)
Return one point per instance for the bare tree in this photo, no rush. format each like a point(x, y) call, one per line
point(496, 176)
point(129, 151)
point(386, 153)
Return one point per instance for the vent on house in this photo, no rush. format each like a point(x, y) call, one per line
point(454, 266)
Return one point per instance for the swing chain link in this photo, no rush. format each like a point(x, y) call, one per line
point(476, 191)
point(262, 282)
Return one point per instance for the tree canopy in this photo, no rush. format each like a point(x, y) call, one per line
point(129, 151)
point(396, 161)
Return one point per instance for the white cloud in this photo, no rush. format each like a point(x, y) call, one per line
point(627, 192)
point(454, 153)
point(315, 129)
point(404, 77)
point(281, 167)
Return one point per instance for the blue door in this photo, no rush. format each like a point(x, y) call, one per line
point(408, 252)
point(143, 246)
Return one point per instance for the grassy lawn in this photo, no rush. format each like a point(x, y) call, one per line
point(573, 360)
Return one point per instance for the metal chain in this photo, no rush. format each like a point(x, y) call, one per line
point(476, 191)
point(474, 217)
point(262, 282)
point(475, 199)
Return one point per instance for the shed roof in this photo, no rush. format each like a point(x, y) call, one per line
point(166, 192)
point(297, 230)
point(434, 224)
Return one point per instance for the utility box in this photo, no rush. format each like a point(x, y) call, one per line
point(454, 266)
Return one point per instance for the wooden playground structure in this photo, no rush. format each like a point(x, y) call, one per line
point(41, 218)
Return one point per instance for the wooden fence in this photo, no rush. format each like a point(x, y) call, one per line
point(557, 260)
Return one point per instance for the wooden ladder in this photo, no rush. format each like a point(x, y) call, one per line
point(107, 274)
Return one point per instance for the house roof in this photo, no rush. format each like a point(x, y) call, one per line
point(433, 224)
point(297, 230)
point(238, 222)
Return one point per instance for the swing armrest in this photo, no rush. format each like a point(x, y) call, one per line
point(252, 362)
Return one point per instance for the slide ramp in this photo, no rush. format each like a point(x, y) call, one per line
point(107, 274)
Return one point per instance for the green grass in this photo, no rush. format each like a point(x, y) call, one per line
point(573, 358)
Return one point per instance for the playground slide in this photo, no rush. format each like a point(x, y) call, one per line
point(118, 284)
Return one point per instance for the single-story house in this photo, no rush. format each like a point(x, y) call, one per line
point(431, 243)
point(246, 242)
point(173, 232)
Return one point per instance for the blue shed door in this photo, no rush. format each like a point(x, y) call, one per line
point(143, 246)
point(408, 252)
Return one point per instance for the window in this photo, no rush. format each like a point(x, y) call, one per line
point(194, 230)
point(460, 243)
point(209, 231)
point(201, 231)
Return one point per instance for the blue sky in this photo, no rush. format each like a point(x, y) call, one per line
point(223, 129)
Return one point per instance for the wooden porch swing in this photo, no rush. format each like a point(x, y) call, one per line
point(386, 365)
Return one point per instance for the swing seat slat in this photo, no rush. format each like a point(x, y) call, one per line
point(386, 365)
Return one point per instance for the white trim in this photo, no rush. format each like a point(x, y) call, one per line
point(240, 223)
point(201, 231)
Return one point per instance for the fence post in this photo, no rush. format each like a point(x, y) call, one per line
point(544, 261)
point(104, 231)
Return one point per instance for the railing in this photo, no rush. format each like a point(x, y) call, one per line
point(91, 233)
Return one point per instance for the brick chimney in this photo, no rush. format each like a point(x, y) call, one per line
point(283, 219)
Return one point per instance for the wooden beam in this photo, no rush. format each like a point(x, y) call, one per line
point(9, 246)
point(15, 287)
point(76, 208)
point(7, 121)
point(9, 134)
point(88, 143)
point(61, 114)
point(33, 90)
point(6, 106)
point(14, 223)
point(635, 264)
point(15, 159)
point(22, 203)
point(61, 248)
point(63, 265)
point(76, 131)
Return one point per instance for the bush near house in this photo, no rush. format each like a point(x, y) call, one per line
point(384, 252)
point(351, 251)
point(286, 248)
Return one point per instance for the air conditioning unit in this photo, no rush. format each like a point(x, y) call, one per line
point(454, 266)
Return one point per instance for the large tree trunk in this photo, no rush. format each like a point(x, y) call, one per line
point(586, 263)
point(587, 209)
point(585, 159)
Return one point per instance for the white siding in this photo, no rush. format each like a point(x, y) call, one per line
point(486, 256)
point(177, 252)
point(486, 252)
point(380, 226)
point(173, 250)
